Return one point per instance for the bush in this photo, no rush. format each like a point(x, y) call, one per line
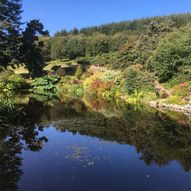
point(4, 75)
point(18, 81)
point(11, 83)
point(138, 80)
point(6, 89)
point(83, 61)
point(180, 94)
point(110, 76)
point(178, 79)
point(101, 84)
point(106, 60)
point(70, 86)
point(79, 71)
point(46, 85)
point(183, 89)
point(173, 53)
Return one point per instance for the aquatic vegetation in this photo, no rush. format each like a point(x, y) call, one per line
point(9, 113)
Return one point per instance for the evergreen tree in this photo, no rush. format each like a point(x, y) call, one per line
point(10, 41)
point(32, 48)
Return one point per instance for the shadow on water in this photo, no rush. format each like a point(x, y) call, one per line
point(159, 137)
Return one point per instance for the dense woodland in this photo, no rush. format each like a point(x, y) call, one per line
point(120, 45)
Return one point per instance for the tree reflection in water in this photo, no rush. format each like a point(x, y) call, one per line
point(159, 137)
point(12, 141)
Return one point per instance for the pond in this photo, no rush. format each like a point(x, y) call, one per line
point(71, 144)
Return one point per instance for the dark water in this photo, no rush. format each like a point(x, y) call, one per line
point(97, 146)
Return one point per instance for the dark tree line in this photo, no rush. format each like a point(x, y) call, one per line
point(18, 46)
point(137, 25)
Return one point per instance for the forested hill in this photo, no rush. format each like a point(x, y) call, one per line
point(137, 25)
point(160, 45)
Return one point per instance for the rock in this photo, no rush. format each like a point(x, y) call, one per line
point(184, 109)
point(161, 91)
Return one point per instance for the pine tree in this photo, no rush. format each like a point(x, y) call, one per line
point(10, 39)
point(32, 48)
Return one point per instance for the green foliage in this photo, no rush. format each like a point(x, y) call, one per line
point(102, 84)
point(4, 75)
point(7, 89)
point(46, 85)
point(178, 79)
point(119, 45)
point(18, 82)
point(79, 71)
point(10, 22)
point(173, 53)
point(58, 49)
point(11, 83)
point(9, 113)
point(134, 25)
point(76, 47)
point(70, 86)
point(138, 80)
point(33, 57)
point(97, 44)
point(83, 61)
point(119, 39)
point(140, 49)
point(110, 76)
point(174, 99)
point(46, 48)
point(140, 97)
point(182, 90)
point(19, 46)
point(105, 60)
point(180, 93)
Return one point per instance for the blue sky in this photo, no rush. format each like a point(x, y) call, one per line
point(59, 14)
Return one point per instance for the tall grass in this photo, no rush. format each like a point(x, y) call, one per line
point(9, 113)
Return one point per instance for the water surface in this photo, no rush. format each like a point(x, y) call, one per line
point(71, 145)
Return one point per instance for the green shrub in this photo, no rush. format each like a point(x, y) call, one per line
point(138, 80)
point(180, 94)
point(110, 76)
point(70, 85)
point(79, 71)
point(4, 75)
point(173, 53)
point(106, 60)
point(178, 79)
point(18, 81)
point(6, 89)
point(102, 84)
point(11, 83)
point(83, 61)
point(46, 85)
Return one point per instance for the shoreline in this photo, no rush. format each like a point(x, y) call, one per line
point(186, 109)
